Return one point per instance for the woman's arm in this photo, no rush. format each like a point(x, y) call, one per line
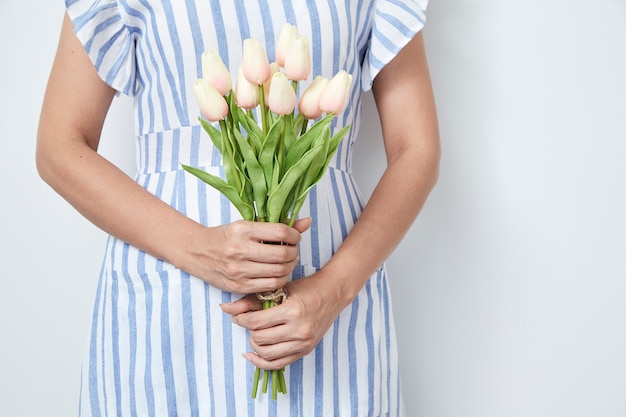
point(76, 102)
point(408, 118)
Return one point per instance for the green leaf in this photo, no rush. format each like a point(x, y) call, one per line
point(214, 133)
point(245, 209)
point(255, 173)
point(253, 131)
point(278, 197)
point(304, 142)
point(268, 150)
point(290, 133)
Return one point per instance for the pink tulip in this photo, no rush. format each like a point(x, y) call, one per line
point(266, 85)
point(287, 34)
point(256, 66)
point(214, 70)
point(298, 60)
point(212, 104)
point(309, 104)
point(246, 93)
point(282, 98)
point(334, 98)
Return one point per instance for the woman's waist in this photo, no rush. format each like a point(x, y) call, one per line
point(167, 150)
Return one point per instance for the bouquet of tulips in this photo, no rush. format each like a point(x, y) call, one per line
point(270, 165)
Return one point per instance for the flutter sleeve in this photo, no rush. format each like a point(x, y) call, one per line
point(110, 44)
point(395, 23)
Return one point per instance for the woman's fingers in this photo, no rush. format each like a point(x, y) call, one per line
point(243, 305)
point(245, 257)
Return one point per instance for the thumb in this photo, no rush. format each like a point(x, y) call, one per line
point(243, 305)
point(302, 225)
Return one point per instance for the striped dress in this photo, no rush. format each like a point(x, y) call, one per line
point(159, 343)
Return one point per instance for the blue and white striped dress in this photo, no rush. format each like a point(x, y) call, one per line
point(160, 345)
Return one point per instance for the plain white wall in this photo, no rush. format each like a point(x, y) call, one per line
point(509, 290)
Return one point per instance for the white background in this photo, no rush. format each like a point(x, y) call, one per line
point(510, 290)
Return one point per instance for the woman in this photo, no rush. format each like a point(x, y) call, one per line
point(160, 344)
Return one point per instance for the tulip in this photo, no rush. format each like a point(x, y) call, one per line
point(282, 98)
point(309, 105)
point(266, 85)
point(287, 34)
point(214, 70)
point(212, 104)
point(334, 98)
point(256, 66)
point(246, 93)
point(298, 60)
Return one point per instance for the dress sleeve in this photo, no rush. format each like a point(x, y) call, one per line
point(100, 27)
point(394, 25)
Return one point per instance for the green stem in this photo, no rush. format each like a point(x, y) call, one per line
point(281, 380)
point(275, 383)
point(266, 377)
point(229, 160)
point(255, 383)
point(263, 110)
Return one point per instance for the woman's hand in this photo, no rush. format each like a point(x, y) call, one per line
point(234, 258)
point(283, 334)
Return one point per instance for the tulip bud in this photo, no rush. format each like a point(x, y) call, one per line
point(334, 98)
point(309, 104)
point(214, 70)
point(256, 66)
point(298, 60)
point(266, 85)
point(212, 104)
point(246, 93)
point(287, 34)
point(282, 98)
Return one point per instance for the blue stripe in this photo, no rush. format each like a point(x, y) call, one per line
point(289, 12)
point(132, 328)
point(268, 26)
point(209, 339)
point(409, 10)
point(190, 357)
point(353, 358)
point(314, 230)
point(90, 16)
point(316, 37)
point(176, 144)
point(196, 33)
point(319, 379)
point(295, 387)
point(222, 40)
point(166, 347)
point(369, 335)
point(349, 196)
point(115, 343)
point(179, 99)
point(242, 18)
point(158, 143)
point(336, 367)
point(105, 397)
point(148, 384)
point(93, 345)
point(386, 318)
point(337, 195)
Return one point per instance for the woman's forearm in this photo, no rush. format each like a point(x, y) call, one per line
point(389, 213)
point(111, 200)
point(405, 102)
